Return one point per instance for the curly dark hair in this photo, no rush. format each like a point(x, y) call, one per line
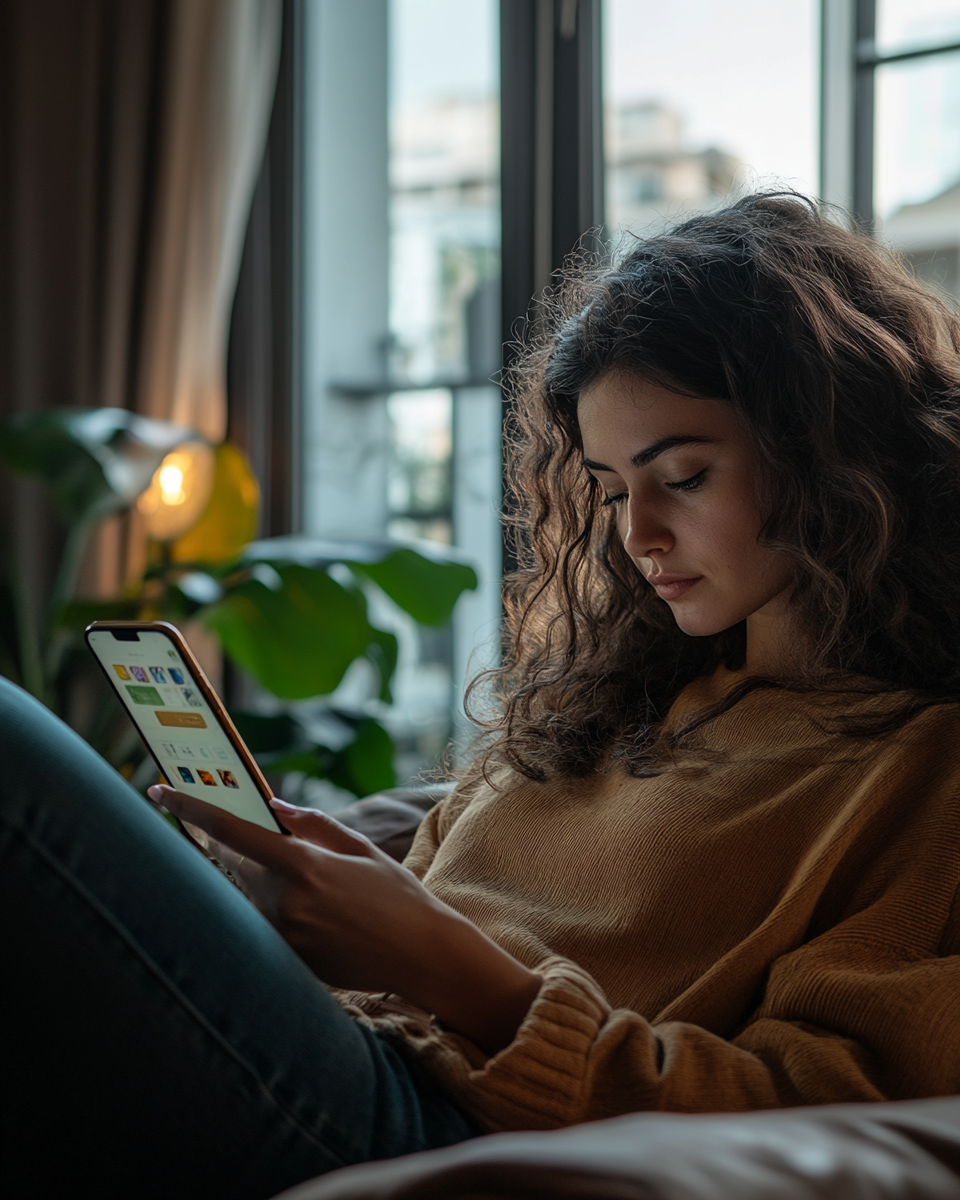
point(846, 371)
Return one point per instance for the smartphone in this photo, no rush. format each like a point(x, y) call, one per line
point(179, 716)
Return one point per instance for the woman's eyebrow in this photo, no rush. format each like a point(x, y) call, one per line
point(642, 457)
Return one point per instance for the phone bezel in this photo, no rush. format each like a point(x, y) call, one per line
point(209, 694)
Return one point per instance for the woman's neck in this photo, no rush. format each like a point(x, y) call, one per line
point(774, 644)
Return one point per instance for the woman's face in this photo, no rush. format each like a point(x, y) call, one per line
point(681, 473)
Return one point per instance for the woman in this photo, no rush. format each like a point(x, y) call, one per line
point(709, 858)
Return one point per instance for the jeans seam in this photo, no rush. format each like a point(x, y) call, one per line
point(185, 1003)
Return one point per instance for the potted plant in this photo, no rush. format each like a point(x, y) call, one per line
point(292, 614)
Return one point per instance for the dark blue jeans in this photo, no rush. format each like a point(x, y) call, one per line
point(160, 1038)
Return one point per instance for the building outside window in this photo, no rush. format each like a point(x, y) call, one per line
point(704, 100)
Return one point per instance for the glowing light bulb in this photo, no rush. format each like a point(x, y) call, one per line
point(179, 492)
point(171, 485)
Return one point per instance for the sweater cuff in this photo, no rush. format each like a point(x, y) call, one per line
point(537, 1081)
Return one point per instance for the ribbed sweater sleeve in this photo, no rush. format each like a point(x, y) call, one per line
point(880, 1028)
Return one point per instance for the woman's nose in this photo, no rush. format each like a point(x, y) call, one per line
point(645, 535)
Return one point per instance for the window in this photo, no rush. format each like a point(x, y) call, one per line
point(401, 312)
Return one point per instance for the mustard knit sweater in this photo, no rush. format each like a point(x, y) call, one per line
point(773, 919)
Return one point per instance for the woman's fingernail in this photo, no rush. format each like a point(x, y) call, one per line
point(155, 792)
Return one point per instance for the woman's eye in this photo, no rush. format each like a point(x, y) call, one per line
point(607, 501)
point(689, 485)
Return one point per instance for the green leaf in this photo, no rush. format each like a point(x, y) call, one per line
point(425, 589)
point(267, 734)
point(382, 652)
point(314, 761)
point(296, 639)
point(280, 744)
point(94, 461)
point(365, 765)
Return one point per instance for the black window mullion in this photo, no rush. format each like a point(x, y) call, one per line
point(551, 148)
point(863, 113)
point(551, 141)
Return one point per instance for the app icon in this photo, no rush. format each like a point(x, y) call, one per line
point(169, 749)
point(143, 695)
point(204, 752)
point(175, 675)
point(158, 675)
point(121, 670)
point(140, 674)
point(222, 754)
point(191, 697)
point(206, 777)
point(186, 775)
point(229, 779)
point(170, 654)
point(185, 751)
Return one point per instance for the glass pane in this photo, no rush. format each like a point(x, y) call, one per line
point(445, 198)
point(917, 186)
point(419, 481)
point(444, 319)
point(904, 24)
point(704, 99)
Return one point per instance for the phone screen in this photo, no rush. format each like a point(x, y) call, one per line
point(194, 751)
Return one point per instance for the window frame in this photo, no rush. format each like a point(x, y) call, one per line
point(849, 60)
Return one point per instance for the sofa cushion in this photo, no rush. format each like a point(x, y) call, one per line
point(902, 1151)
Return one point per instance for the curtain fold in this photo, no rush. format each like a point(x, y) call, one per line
point(131, 137)
point(222, 73)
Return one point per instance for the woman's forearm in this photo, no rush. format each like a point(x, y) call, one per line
point(473, 985)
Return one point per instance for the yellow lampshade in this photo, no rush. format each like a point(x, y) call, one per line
point(179, 491)
point(229, 521)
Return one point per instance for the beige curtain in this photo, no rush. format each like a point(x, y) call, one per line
point(130, 140)
point(223, 65)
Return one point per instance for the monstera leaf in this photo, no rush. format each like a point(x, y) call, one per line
point(424, 587)
point(296, 630)
point(425, 579)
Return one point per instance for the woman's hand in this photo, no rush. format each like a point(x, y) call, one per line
point(360, 920)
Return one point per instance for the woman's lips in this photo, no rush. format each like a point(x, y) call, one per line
point(672, 587)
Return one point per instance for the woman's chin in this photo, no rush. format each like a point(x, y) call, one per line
point(696, 622)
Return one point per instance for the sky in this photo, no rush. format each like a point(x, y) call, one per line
point(903, 23)
point(443, 48)
point(743, 74)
